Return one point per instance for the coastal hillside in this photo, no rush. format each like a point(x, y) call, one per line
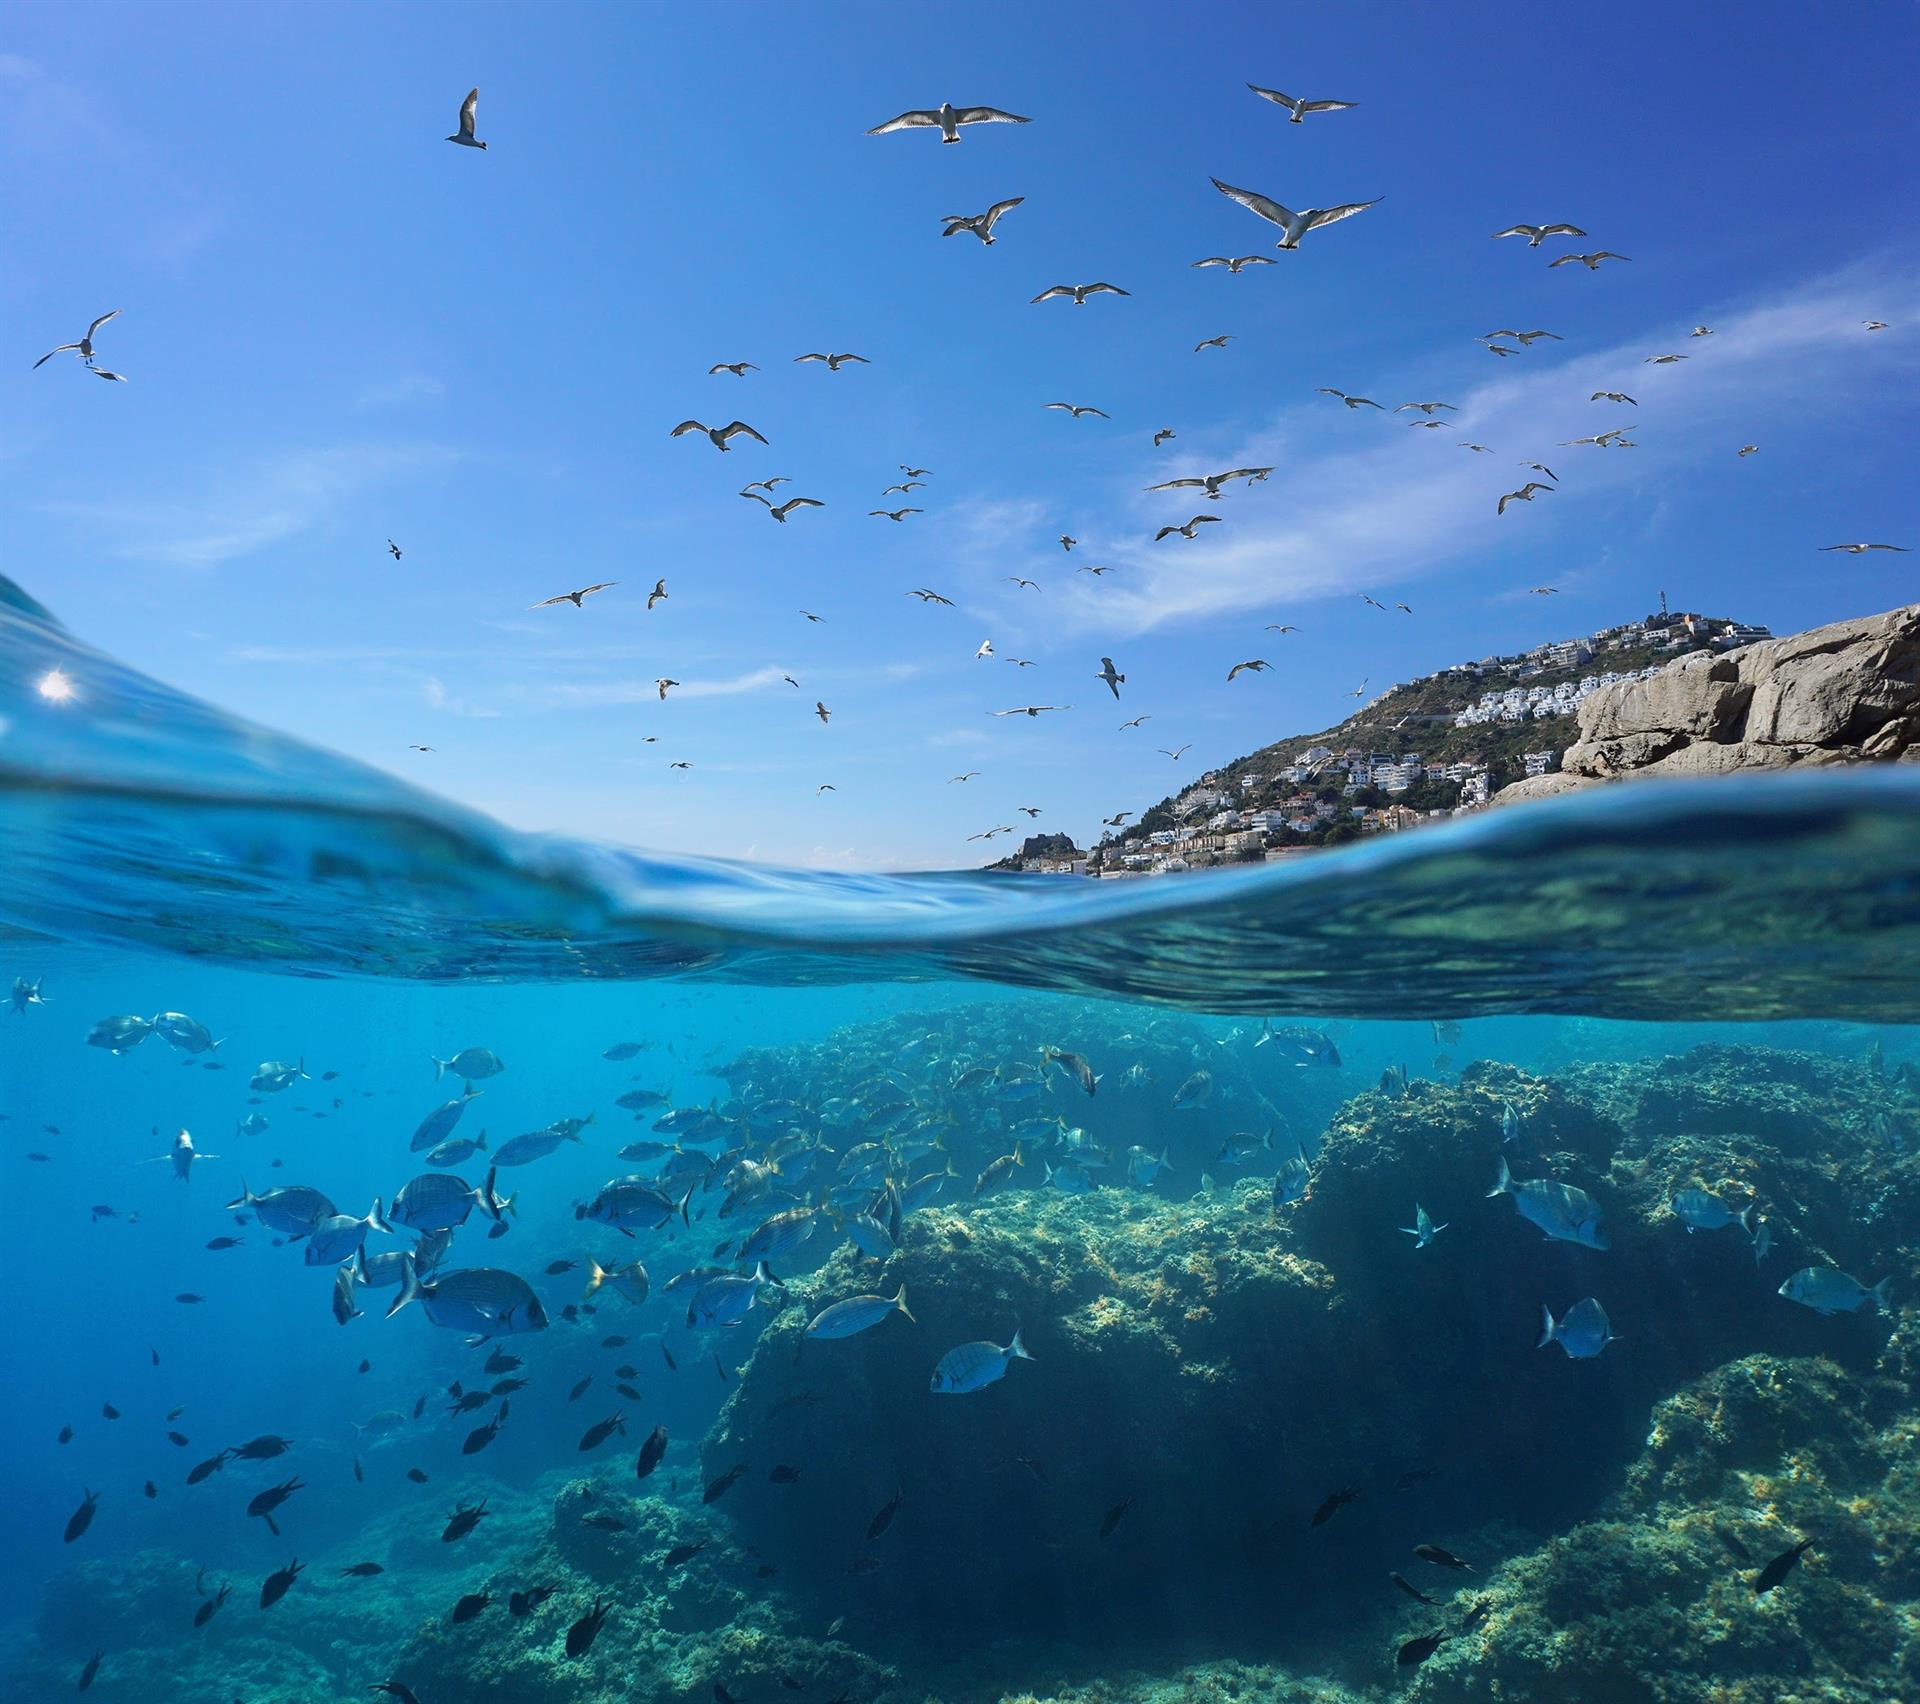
point(1419, 751)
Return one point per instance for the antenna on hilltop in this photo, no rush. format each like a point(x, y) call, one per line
point(1663, 604)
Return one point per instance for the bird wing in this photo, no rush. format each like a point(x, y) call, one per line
point(1054, 290)
point(799, 358)
point(564, 597)
point(1333, 215)
point(1213, 260)
point(1326, 106)
point(1528, 231)
point(686, 426)
point(112, 313)
point(915, 120)
point(1563, 260)
point(1197, 519)
point(803, 503)
point(1254, 202)
point(1175, 484)
point(44, 359)
point(999, 207)
point(733, 428)
point(860, 358)
point(1561, 231)
point(468, 108)
point(1104, 415)
point(987, 115)
point(102, 373)
point(1273, 95)
point(1110, 289)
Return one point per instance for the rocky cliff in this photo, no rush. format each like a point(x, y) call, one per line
point(1845, 693)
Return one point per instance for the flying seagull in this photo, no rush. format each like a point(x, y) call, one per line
point(1426, 407)
point(895, 514)
point(1211, 482)
point(785, 509)
point(910, 485)
point(1116, 819)
point(84, 348)
point(1029, 709)
point(419, 748)
point(1524, 495)
point(1432, 425)
point(930, 597)
point(1029, 810)
point(679, 765)
point(1019, 662)
point(1857, 549)
point(1521, 336)
point(820, 710)
point(1161, 436)
point(1377, 604)
point(1537, 234)
point(980, 224)
point(1281, 627)
point(1701, 331)
point(1350, 401)
point(658, 594)
point(947, 118)
point(102, 373)
point(1484, 449)
point(1124, 726)
point(393, 550)
point(1016, 580)
point(1875, 325)
point(1185, 531)
point(1662, 360)
point(1606, 440)
point(574, 597)
point(791, 682)
point(834, 362)
point(970, 774)
point(1175, 755)
point(1077, 409)
point(1114, 681)
point(718, 434)
point(765, 484)
point(739, 369)
point(1258, 665)
point(1235, 263)
point(826, 787)
point(810, 615)
point(1068, 541)
point(1213, 343)
point(1542, 591)
point(662, 684)
point(1090, 568)
point(1080, 292)
point(986, 650)
point(1541, 467)
point(913, 472)
point(1500, 349)
point(1359, 691)
point(1293, 226)
point(1612, 396)
point(1749, 449)
point(464, 135)
point(1297, 110)
point(988, 834)
point(1590, 261)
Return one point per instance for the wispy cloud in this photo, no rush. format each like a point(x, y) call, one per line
point(1361, 500)
point(401, 389)
point(434, 690)
point(274, 499)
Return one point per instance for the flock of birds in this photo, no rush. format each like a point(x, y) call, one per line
point(1293, 225)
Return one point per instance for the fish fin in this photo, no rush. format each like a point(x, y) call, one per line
point(1879, 1293)
point(409, 1286)
point(683, 1206)
point(377, 1219)
point(439, 1067)
point(480, 1141)
point(596, 1276)
point(900, 1302)
point(1746, 1216)
point(271, 1527)
point(1548, 1330)
point(1503, 1185)
point(1017, 1349)
point(1402, 1229)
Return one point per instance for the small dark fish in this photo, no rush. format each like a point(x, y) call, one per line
point(66, 1434)
point(884, 1518)
point(718, 1488)
point(366, 1366)
point(1333, 1505)
point(650, 1452)
point(1477, 1614)
point(629, 1392)
point(87, 1673)
point(765, 1571)
point(179, 1440)
point(556, 1267)
point(393, 1688)
point(784, 1475)
point(1738, 1551)
point(606, 1523)
point(626, 1371)
point(579, 1391)
point(570, 1313)
point(1413, 1591)
point(581, 1635)
point(263, 1448)
point(188, 1298)
point(419, 1407)
point(108, 1411)
point(525, 1603)
point(359, 1472)
point(481, 1436)
point(1440, 1558)
point(1114, 1517)
point(219, 1243)
point(501, 1362)
point(361, 1571)
point(417, 1475)
point(722, 1371)
point(601, 1430)
point(82, 1517)
point(173, 1414)
point(210, 1607)
point(506, 1387)
point(673, 1366)
point(152, 1490)
point(276, 1584)
point(465, 1517)
point(1781, 1566)
point(722, 1696)
point(1416, 1651)
point(616, 1341)
point(1413, 1476)
point(212, 1464)
point(681, 1553)
point(470, 1606)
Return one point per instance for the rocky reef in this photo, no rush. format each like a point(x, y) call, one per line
point(1845, 693)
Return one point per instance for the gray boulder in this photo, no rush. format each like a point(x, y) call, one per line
point(1845, 693)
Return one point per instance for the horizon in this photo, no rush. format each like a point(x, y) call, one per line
point(353, 332)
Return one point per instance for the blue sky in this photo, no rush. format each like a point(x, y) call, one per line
point(339, 329)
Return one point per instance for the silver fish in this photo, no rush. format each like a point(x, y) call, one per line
point(1828, 1291)
point(857, 1314)
point(974, 1366)
point(480, 1299)
point(1564, 1212)
point(534, 1145)
point(439, 1123)
point(120, 1035)
point(470, 1063)
point(293, 1211)
point(187, 1034)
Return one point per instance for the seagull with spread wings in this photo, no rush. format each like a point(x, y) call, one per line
point(834, 362)
point(1029, 709)
point(1186, 531)
point(928, 596)
point(718, 434)
point(1860, 549)
point(739, 369)
point(464, 135)
point(1525, 494)
point(1537, 234)
point(658, 594)
point(1350, 401)
point(1076, 409)
point(895, 514)
point(981, 224)
point(1236, 262)
point(84, 347)
point(1297, 110)
point(574, 598)
point(1108, 674)
point(1256, 665)
point(947, 119)
point(1175, 755)
point(1079, 292)
point(1293, 226)
point(1590, 261)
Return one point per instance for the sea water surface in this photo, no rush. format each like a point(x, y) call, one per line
point(1628, 992)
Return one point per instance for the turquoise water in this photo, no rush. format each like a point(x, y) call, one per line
point(1670, 988)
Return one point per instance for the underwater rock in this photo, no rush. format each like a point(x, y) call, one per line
point(1848, 692)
